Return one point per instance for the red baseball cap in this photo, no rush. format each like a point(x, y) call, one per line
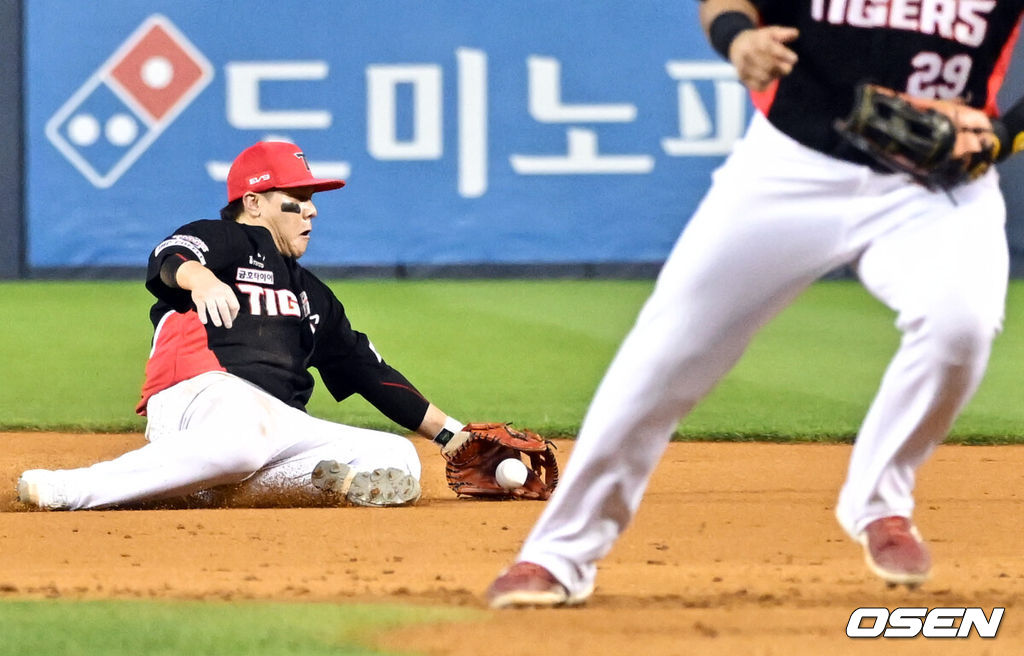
point(273, 165)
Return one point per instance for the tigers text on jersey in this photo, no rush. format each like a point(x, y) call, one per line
point(927, 48)
point(288, 321)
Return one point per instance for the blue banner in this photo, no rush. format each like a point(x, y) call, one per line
point(534, 131)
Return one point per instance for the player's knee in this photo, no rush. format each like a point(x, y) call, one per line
point(405, 455)
point(963, 337)
point(390, 450)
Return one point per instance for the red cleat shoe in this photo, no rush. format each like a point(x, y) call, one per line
point(525, 585)
point(895, 551)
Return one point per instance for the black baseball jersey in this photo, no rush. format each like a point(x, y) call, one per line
point(927, 48)
point(288, 321)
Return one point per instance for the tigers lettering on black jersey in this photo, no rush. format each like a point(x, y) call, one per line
point(927, 48)
point(288, 321)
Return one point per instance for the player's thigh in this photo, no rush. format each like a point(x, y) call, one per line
point(218, 404)
point(948, 267)
point(748, 251)
point(774, 219)
point(235, 410)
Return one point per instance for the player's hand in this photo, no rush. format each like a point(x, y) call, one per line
point(215, 302)
point(976, 146)
point(974, 133)
point(760, 56)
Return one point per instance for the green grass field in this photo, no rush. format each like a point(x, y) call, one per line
point(531, 352)
point(201, 628)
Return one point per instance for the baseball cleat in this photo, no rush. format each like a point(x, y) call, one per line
point(528, 585)
point(380, 487)
point(39, 488)
point(894, 550)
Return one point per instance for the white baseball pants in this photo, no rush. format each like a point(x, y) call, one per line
point(777, 217)
point(217, 429)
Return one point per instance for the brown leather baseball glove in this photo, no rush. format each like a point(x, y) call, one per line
point(474, 454)
point(939, 143)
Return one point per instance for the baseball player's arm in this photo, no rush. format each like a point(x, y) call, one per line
point(349, 364)
point(390, 392)
point(439, 427)
point(180, 269)
point(214, 300)
point(759, 54)
point(359, 369)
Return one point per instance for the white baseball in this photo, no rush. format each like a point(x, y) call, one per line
point(510, 473)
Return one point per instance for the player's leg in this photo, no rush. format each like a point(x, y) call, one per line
point(944, 271)
point(325, 463)
point(220, 423)
point(761, 235)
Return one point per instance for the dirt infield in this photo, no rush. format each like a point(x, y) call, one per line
point(735, 551)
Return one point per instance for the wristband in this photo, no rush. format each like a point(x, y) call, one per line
point(724, 29)
point(451, 427)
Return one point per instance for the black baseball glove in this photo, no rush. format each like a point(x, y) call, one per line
point(938, 143)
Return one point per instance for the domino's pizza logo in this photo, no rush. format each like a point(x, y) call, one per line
point(106, 125)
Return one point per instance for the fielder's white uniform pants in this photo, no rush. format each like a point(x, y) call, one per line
point(777, 217)
point(217, 429)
